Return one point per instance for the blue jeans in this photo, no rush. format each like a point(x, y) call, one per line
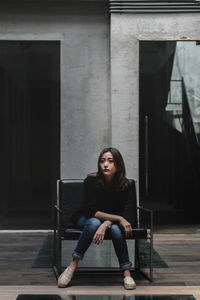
point(89, 227)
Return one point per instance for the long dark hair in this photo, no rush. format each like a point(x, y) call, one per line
point(119, 181)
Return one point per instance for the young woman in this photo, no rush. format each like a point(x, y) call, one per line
point(107, 206)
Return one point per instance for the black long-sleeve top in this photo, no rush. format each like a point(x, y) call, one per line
point(108, 200)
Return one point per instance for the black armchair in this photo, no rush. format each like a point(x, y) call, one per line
point(69, 198)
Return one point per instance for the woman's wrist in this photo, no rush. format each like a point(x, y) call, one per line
point(108, 223)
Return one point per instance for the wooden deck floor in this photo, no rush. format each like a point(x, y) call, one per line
point(18, 251)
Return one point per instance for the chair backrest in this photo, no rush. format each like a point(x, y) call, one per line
point(71, 197)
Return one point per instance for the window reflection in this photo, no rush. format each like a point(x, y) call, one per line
point(169, 130)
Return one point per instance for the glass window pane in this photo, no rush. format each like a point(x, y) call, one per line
point(169, 130)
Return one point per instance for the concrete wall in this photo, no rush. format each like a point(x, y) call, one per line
point(93, 59)
point(83, 29)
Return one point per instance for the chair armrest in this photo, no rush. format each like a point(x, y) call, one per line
point(57, 209)
point(150, 212)
point(145, 209)
point(57, 216)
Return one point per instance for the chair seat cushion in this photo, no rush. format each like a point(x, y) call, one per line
point(73, 234)
point(139, 233)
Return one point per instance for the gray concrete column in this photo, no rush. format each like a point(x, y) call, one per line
point(124, 74)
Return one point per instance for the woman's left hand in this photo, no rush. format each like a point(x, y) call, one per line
point(100, 233)
point(127, 226)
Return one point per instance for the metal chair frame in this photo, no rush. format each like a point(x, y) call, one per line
point(59, 237)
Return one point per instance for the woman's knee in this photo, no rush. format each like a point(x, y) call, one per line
point(116, 231)
point(93, 224)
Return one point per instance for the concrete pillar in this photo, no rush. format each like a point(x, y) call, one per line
point(124, 59)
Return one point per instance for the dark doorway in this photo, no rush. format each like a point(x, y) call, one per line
point(30, 132)
point(169, 145)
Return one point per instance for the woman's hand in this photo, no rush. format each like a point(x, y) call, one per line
point(100, 233)
point(127, 226)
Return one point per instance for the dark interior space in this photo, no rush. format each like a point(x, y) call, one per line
point(29, 132)
point(168, 174)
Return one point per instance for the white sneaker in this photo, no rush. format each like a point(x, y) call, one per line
point(129, 283)
point(65, 278)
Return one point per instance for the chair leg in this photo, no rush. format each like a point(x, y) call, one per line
point(57, 255)
point(137, 260)
point(151, 259)
point(137, 257)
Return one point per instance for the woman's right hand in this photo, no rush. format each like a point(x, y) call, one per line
point(100, 233)
point(127, 226)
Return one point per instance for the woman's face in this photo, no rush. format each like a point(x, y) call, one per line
point(107, 165)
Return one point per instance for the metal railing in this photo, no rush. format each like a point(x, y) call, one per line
point(184, 114)
point(190, 133)
point(187, 117)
